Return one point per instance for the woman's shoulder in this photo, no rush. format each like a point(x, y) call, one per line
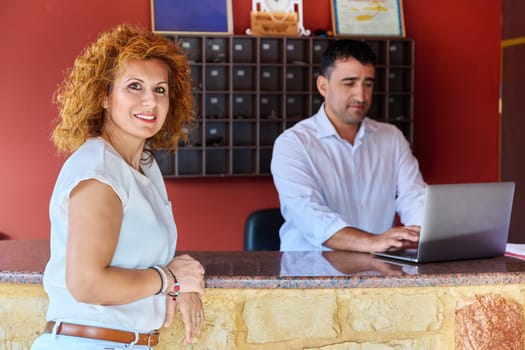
point(94, 159)
point(95, 153)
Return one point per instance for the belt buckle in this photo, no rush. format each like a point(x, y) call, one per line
point(155, 335)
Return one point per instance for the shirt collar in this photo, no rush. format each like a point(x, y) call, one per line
point(325, 128)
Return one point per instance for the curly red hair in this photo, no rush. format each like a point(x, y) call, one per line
point(80, 96)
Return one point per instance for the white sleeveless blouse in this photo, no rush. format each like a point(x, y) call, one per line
point(148, 236)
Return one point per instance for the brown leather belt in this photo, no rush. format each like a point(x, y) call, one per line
point(108, 334)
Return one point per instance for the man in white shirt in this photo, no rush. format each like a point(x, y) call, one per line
point(341, 176)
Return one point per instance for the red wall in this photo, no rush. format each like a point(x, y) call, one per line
point(456, 88)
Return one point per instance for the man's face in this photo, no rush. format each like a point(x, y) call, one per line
point(347, 91)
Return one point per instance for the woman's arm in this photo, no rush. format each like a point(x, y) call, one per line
point(95, 216)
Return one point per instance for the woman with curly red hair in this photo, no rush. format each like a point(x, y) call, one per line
point(112, 279)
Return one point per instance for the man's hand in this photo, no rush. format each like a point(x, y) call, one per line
point(352, 239)
point(396, 238)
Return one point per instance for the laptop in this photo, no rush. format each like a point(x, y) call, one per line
point(462, 221)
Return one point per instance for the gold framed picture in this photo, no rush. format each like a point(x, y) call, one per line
point(368, 17)
point(205, 17)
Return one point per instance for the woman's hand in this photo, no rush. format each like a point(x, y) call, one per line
point(190, 307)
point(189, 273)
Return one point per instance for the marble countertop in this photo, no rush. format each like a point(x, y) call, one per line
point(23, 261)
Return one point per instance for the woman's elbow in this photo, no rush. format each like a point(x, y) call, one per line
point(82, 289)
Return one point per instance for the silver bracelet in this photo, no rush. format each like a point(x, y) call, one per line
point(163, 278)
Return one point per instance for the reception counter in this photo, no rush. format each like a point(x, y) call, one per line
point(312, 300)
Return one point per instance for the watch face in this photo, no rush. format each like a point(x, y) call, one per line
point(277, 5)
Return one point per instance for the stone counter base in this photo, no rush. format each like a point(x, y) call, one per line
point(443, 318)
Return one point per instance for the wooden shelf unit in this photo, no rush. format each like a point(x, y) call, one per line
point(249, 89)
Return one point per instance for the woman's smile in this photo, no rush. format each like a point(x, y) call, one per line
point(146, 117)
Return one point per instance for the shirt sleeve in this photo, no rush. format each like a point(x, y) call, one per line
point(93, 161)
point(410, 186)
point(300, 192)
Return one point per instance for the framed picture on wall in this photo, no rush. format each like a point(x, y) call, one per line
point(368, 17)
point(191, 16)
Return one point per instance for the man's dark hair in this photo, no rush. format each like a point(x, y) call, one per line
point(345, 48)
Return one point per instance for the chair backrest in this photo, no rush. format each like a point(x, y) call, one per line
point(261, 230)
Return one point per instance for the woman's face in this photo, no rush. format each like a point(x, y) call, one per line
point(139, 101)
